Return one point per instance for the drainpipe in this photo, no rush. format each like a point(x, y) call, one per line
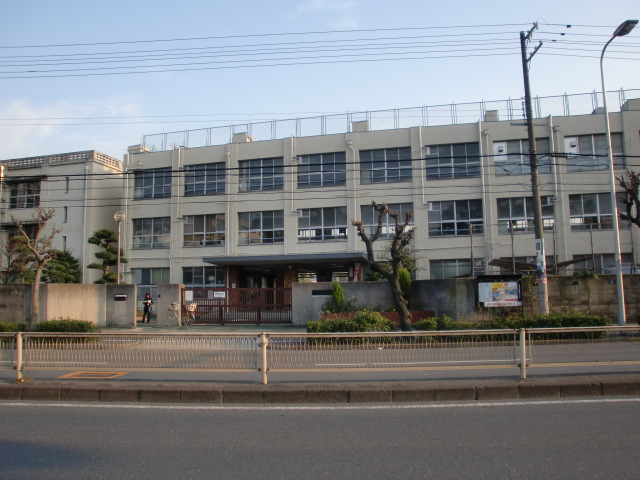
point(84, 223)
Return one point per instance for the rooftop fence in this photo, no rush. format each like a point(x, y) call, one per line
point(446, 114)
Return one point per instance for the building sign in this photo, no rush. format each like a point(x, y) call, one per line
point(497, 293)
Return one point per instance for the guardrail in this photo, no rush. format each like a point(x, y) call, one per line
point(306, 352)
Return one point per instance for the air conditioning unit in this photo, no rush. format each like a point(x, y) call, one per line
point(429, 206)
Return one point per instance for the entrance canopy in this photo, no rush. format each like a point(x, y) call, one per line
point(301, 260)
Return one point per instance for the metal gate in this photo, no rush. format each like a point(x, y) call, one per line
point(240, 305)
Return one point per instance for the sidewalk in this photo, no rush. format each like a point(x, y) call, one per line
point(154, 327)
point(552, 388)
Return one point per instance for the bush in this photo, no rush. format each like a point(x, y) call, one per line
point(363, 321)
point(13, 327)
point(338, 304)
point(67, 325)
point(426, 324)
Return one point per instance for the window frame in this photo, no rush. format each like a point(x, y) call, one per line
point(261, 174)
point(436, 210)
point(578, 160)
point(271, 223)
point(148, 228)
point(321, 231)
point(330, 169)
point(203, 236)
point(515, 161)
point(25, 193)
point(381, 169)
point(441, 165)
point(152, 183)
point(201, 273)
point(205, 179)
point(369, 218)
point(524, 223)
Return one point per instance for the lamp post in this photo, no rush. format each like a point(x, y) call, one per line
point(623, 29)
point(119, 217)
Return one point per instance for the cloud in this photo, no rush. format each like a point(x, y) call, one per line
point(343, 9)
point(27, 130)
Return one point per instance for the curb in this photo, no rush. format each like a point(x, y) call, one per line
point(347, 393)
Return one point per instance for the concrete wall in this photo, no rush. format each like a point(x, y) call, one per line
point(306, 305)
point(457, 297)
point(15, 300)
point(121, 305)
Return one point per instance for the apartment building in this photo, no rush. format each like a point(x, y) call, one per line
point(84, 189)
point(249, 213)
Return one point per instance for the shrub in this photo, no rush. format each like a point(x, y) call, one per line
point(337, 303)
point(363, 321)
point(426, 324)
point(67, 325)
point(13, 327)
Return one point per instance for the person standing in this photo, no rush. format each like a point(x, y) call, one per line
point(146, 311)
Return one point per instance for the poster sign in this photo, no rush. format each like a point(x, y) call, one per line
point(219, 294)
point(188, 295)
point(499, 294)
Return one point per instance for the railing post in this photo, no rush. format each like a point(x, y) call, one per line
point(523, 354)
point(19, 356)
point(263, 345)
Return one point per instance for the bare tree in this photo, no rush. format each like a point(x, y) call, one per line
point(631, 184)
point(390, 268)
point(39, 249)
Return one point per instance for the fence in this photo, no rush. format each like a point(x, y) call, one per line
point(304, 352)
point(446, 114)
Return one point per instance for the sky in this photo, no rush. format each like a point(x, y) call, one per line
point(87, 75)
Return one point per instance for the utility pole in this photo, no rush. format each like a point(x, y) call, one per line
point(541, 267)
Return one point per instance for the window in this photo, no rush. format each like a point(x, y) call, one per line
point(454, 218)
point(204, 179)
point(592, 211)
point(459, 160)
point(66, 184)
point(261, 227)
point(603, 264)
point(454, 268)
point(12, 231)
point(203, 276)
point(322, 224)
point(261, 174)
point(65, 215)
point(322, 170)
point(151, 232)
point(150, 276)
point(154, 183)
point(24, 194)
point(512, 157)
point(385, 165)
point(515, 215)
point(203, 230)
point(369, 217)
point(589, 152)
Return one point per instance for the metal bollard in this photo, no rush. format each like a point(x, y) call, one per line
point(19, 356)
point(523, 354)
point(263, 345)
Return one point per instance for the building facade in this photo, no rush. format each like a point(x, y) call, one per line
point(267, 213)
point(84, 188)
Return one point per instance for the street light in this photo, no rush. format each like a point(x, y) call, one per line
point(119, 217)
point(623, 29)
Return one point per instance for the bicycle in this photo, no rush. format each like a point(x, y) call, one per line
point(173, 320)
point(189, 317)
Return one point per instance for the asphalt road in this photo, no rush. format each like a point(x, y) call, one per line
point(595, 439)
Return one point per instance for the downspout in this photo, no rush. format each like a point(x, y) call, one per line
point(488, 224)
point(84, 222)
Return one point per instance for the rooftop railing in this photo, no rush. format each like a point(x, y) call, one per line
point(446, 114)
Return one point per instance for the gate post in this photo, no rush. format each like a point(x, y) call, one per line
point(263, 345)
